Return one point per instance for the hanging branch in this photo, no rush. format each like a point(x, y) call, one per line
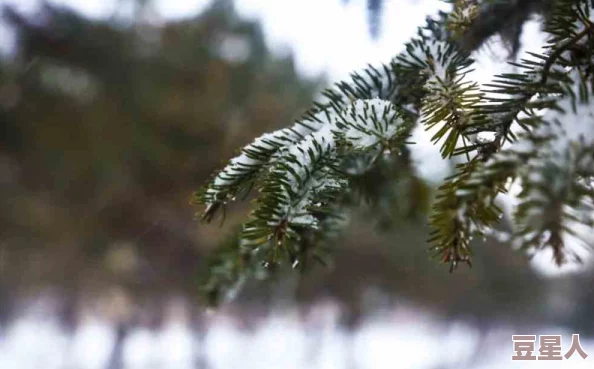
point(302, 172)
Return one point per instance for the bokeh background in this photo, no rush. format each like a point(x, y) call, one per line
point(113, 112)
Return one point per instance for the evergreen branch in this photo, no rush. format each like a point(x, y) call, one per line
point(550, 201)
point(306, 181)
point(465, 206)
point(512, 84)
point(304, 174)
point(503, 17)
point(243, 171)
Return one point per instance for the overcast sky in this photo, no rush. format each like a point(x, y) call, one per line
point(324, 35)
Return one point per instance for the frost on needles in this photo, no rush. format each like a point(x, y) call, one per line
point(534, 126)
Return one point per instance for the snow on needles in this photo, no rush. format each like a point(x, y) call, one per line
point(373, 83)
point(555, 156)
point(365, 123)
point(304, 172)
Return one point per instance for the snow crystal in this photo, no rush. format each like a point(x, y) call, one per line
point(364, 123)
point(435, 55)
point(368, 122)
point(484, 137)
point(377, 82)
point(247, 162)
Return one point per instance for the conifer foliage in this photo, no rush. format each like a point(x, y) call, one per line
point(534, 126)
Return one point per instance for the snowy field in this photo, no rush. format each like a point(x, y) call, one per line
point(401, 338)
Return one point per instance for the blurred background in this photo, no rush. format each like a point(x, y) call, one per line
point(113, 112)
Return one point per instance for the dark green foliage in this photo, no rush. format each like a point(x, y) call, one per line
point(521, 127)
point(107, 128)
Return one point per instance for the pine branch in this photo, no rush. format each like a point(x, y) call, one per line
point(305, 172)
point(241, 174)
point(499, 17)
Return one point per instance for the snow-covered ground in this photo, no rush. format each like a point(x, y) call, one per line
point(401, 338)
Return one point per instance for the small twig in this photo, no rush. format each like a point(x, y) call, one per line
point(545, 76)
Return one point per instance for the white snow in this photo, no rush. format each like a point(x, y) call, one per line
point(369, 122)
point(403, 337)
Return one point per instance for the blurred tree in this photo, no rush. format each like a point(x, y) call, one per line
point(505, 18)
point(105, 129)
point(374, 8)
